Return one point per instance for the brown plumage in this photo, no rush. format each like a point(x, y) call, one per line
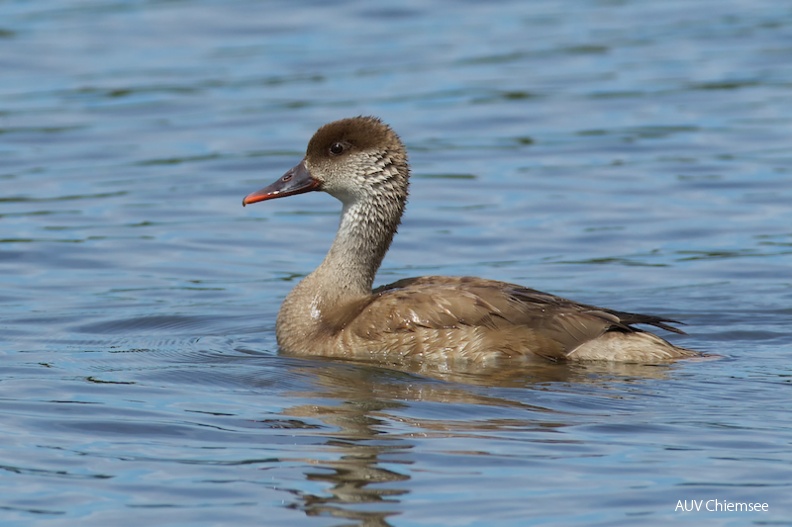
point(334, 312)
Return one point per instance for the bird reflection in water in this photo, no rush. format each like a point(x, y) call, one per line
point(370, 437)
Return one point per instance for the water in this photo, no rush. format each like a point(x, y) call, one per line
point(631, 154)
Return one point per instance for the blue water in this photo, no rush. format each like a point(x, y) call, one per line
point(630, 154)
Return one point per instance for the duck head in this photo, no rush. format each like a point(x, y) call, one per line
point(350, 159)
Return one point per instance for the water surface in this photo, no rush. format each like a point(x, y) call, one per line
point(630, 154)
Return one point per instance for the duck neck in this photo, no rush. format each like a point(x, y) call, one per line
point(367, 227)
point(371, 214)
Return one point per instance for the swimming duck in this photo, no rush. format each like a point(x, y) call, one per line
point(334, 312)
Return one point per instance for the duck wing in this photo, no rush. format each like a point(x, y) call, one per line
point(473, 314)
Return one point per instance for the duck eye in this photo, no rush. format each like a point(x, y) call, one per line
point(337, 149)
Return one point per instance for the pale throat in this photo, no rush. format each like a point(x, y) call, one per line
point(347, 272)
point(361, 242)
point(368, 223)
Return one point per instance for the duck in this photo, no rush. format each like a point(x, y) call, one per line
point(334, 312)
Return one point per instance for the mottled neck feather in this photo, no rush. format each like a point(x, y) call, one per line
point(374, 197)
point(367, 227)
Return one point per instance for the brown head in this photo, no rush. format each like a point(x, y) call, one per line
point(351, 159)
